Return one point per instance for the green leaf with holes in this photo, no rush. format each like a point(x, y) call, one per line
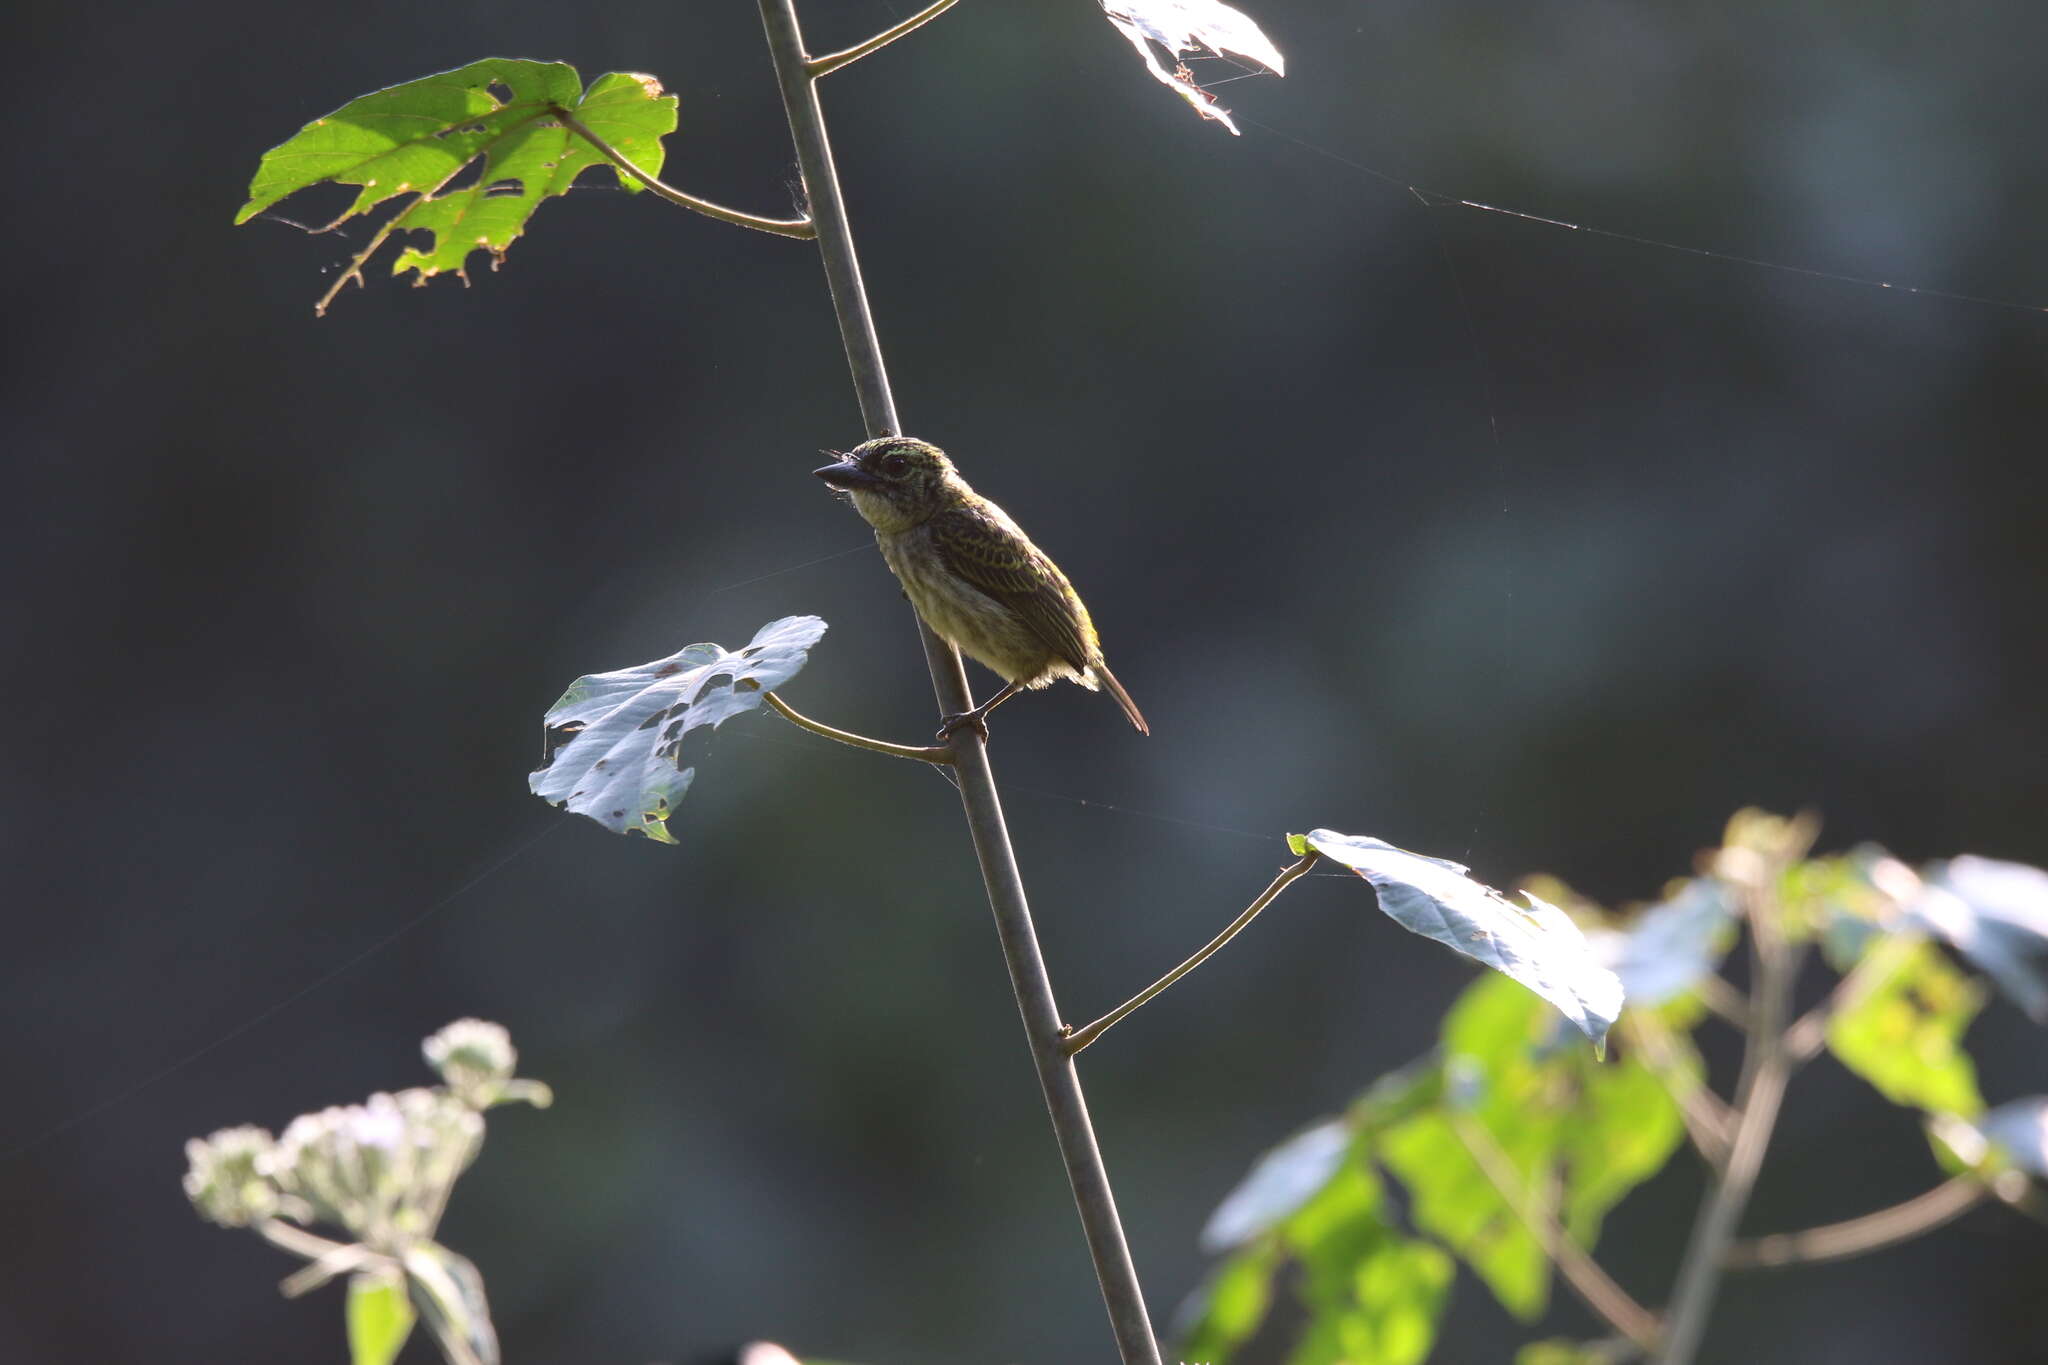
point(1905, 1035)
point(502, 116)
point(615, 739)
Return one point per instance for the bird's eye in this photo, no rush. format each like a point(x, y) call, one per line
point(894, 464)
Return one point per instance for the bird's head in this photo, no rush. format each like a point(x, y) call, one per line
point(895, 482)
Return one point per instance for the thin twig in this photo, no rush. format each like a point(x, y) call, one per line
point(1723, 999)
point(1081, 1037)
point(1588, 1280)
point(327, 1258)
point(825, 66)
point(926, 754)
point(1855, 1236)
point(801, 228)
point(1758, 1094)
point(1058, 1081)
point(297, 1240)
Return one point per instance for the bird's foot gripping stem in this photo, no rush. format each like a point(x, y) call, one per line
point(977, 719)
point(974, 720)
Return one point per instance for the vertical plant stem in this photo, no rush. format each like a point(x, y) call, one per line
point(1057, 1077)
point(1766, 1064)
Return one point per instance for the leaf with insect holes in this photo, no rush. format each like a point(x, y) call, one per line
point(615, 739)
point(1539, 947)
point(1194, 26)
point(416, 138)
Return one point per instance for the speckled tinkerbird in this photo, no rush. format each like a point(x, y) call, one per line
point(972, 573)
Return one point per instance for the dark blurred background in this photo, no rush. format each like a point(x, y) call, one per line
point(1535, 548)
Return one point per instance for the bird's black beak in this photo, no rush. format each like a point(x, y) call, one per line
point(846, 476)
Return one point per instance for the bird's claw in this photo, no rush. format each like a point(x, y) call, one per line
point(966, 720)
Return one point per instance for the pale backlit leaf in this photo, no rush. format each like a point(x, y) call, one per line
point(449, 1294)
point(1539, 946)
point(1197, 27)
point(1280, 1182)
point(615, 739)
point(1996, 914)
point(1671, 947)
point(2020, 1129)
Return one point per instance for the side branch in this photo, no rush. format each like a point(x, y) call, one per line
point(1852, 1237)
point(1766, 1067)
point(801, 228)
point(1594, 1286)
point(825, 66)
point(1077, 1039)
point(928, 754)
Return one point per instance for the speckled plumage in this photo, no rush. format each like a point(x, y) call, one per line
point(971, 572)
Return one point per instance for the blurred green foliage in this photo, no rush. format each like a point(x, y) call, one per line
point(1511, 1134)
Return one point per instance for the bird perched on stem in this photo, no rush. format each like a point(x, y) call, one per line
point(973, 575)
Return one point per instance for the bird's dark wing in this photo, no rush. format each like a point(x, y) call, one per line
point(1001, 561)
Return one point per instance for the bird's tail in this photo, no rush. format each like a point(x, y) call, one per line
point(1123, 699)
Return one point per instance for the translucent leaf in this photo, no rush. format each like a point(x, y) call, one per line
point(1905, 1035)
point(1226, 1310)
point(1494, 1049)
point(1373, 1295)
point(1279, 1183)
point(1671, 947)
point(1625, 1127)
point(1192, 26)
point(615, 739)
point(1539, 947)
point(1996, 914)
point(1574, 1137)
point(415, 139)
point(450, 1296)
point(380, 1318)
point(1397, 1096)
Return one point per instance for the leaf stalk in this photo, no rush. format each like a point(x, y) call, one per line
point(1082, 1037)
point(800, 228)
point(1855, 1236)
point(820, 67)
point(927, 754)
